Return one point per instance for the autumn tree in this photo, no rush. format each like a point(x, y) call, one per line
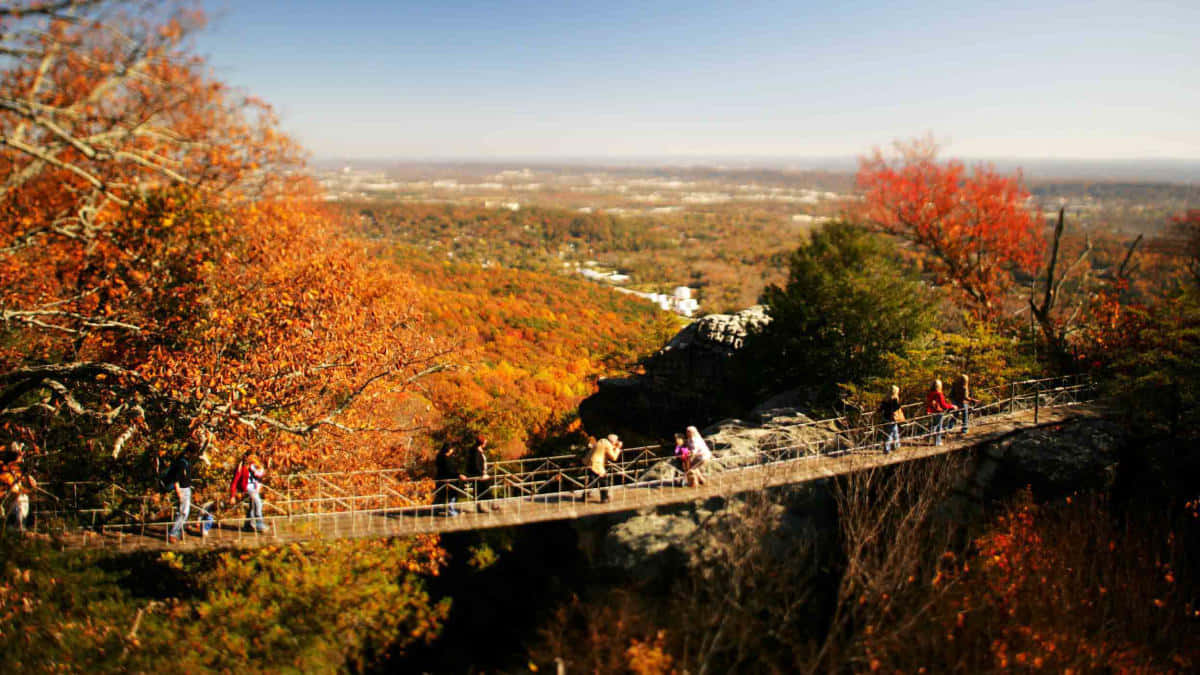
point(972, 226)
point(161, 276)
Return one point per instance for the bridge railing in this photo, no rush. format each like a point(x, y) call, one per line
point(308, 499)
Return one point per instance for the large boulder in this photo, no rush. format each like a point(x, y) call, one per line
point(696, 359)
point(685, 382)
point(736, 442)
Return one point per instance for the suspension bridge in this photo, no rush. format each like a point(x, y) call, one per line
point(389, 503)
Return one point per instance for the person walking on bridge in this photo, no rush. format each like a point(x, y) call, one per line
point(599, 453)
point(447, 473)
point(179, 479)
point(477, 474)
point(255, 472)
point(891, 414)
point(937, 406)
point(700, 455)
point(960, 395)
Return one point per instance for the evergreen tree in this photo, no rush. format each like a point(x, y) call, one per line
point(848, 304)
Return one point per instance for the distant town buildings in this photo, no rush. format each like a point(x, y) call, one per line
point(680, 300)
point(587, 191)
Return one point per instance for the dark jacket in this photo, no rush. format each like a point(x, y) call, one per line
point(887, 410)
point(446, 466)
point(477, 463)
point(960, 393)
point(179, 473)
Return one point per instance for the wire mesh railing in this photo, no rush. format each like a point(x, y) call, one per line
point(389, 501)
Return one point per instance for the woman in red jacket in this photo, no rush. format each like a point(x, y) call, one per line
point(937, 405)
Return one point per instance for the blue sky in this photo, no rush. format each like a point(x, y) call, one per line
point(449, 79)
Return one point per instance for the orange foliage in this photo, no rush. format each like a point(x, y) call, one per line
point(529, 346)
point(163, 281)
point(144, 299)
point(1062, 589)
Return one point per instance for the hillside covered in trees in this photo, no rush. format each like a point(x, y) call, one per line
point(172, 284)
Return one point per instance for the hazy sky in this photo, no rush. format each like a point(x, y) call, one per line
point(554, 78)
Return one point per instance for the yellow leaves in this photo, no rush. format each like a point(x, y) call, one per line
point(172, 560)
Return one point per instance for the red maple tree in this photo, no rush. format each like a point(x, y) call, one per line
point(973, 225)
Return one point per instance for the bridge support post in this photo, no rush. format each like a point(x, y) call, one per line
point(1037, 400)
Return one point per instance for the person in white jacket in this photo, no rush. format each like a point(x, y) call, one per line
point(700, 456)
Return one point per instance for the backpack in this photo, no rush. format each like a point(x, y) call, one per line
point(240, 478)
point(166, 479)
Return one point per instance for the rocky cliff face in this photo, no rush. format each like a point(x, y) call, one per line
point(684, 382)
point(1052, 461)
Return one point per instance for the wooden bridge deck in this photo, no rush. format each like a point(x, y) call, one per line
point(425, 519)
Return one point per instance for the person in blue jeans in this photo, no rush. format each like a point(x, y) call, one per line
point(254, 475)
point(180, 479)
point(890, 416)
point(937, 406)
point(960, 395)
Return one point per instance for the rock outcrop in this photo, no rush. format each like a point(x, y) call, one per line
point(655, 542)
point(1077, 455)
point(696, 359)
point(685, 381)
point(654, 546)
